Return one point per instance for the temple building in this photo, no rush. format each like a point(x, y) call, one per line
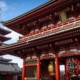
point(51, 37)
point(8, 70)
point(3, 32)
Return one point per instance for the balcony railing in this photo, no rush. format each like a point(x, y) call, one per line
point(74, 23)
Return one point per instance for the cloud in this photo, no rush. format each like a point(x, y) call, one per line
point(3, 6)
point(14, 60)
point(14, 37)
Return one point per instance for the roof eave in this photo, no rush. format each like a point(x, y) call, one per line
point(6, 23)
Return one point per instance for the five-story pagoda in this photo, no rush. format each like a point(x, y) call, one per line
point(3, 32)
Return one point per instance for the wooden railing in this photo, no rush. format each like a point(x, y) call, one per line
point(74, 23)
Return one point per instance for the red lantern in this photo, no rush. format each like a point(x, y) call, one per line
point(73, 65)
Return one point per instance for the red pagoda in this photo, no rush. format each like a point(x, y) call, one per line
point(51, 37)
point(3, 32)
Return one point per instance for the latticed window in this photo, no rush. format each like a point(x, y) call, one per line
point(31, 72)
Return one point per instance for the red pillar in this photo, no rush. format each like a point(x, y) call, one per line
point(66, 74)
point(38, 68)
point(23, 70)
point(57, 72)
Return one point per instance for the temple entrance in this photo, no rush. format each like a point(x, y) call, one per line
point(47, 69)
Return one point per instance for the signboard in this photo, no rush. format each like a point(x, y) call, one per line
point(73, 65)
point(63, 16)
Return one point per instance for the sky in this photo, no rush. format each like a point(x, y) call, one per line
point(11, 9)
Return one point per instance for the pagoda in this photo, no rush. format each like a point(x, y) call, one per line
point(51, 37)
point(3, 32)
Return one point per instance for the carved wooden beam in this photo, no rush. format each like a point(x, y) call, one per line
point(46, 53)
point(77, 42)
point(67, 50)
point(2, 53)
point(12, 53)
point(51, 47)
point(51, 18)
point(34, 52)
point(20, 54)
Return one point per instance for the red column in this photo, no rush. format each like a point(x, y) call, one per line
point(23, 70)
point(38, 68)
point(66, 74)
point(57, 72)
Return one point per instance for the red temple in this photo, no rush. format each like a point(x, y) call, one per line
point(51, 37)
point(3, 32)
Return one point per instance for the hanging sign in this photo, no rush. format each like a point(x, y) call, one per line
point(63, 16)
point(73, 65)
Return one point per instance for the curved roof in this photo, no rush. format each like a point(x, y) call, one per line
point(5, 60)
point(9, 67)
point(34, 14)
point(29, 12)
point(3, 38)
point(4, 32)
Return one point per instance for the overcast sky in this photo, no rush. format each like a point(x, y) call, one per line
point(11, 9)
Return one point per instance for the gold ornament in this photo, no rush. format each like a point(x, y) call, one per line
point(74, 75)
point(51, 68)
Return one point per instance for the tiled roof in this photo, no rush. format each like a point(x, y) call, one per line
point(3, 38)
point(4, 31)
point(31, 11)
point(5, 60)
point(9, 67)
